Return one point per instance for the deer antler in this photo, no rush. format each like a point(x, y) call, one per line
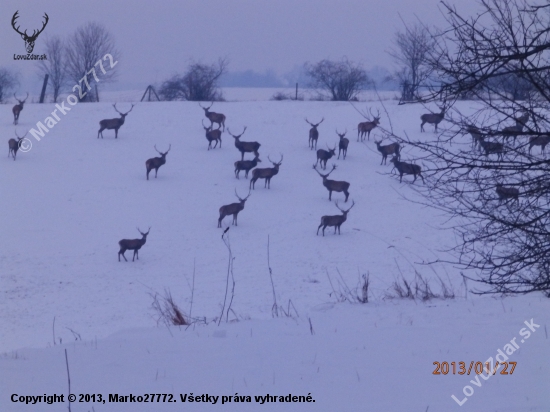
point(19, 136)
point(35, 33)
point(13, 19)
point(238, 197)
point(130, 109)
point(320, 122)
point(345, 211)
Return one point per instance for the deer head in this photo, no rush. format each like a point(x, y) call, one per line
point(345, 212)
point(165, 153)
point(123, 115)
point(206, 108)
point(324, 176)
point(144, 234)
point(375, 119)
point(29, 40)
point(236, 136)
point(276, 164)
point(314, 125)
point(21, 102)
point(341, 135)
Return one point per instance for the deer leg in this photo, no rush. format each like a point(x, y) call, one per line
point(122, 253)
point(319, 228)
point(148, 170)
point(156, 171)
point(235, 219)
point(347, 195)
point(220, 220)
point(422, 126)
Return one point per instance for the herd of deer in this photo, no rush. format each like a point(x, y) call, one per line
point(323, 156)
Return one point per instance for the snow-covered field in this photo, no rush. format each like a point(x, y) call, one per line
point(68, 201)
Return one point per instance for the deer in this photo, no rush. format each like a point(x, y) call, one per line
point(386, 150)
point(313, 133)
point(333, 185)
point(110, 124)
point(335, 220)
point(212, 135)
point(491, 147)
point(324, 156)
point(232, 209)
point(364, 128)
point(433, 118)
point(342, 144)
point(17, 108)
point(132, 244)
point(541, 141)
point(265, 173)
point(29, 40)
point(156, 162)
point(245, 147)
point(246, 165)
point(406, 169)
point(14, 145)
point(476, 134)
point(505, 193)
point(517, 129)
point(214, 117)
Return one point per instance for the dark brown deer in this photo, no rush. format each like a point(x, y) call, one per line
point(324, 156)
point(156, 162)
point(407, 169)
point(265, 173)
point(110, 124)
point(541, 141)
point(17, 108)
point(433, 118)
point(214, 117)
point(313, 133)
point(333, 185)
point(505, 193)
point(212, 136)
point(29, 40)
point(388, 149)
point(342, 144)
point(335, 220)
point(364, 128)
point(246, 165)
point(14, 145)
point(232, 209)
point(491, 147)
point(476, 134)
point(517, 129)
point(245, 147)
point(132, 244)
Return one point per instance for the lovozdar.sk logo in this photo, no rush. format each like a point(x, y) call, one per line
point(29, 40)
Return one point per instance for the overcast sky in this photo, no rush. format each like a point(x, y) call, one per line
point(159, 38)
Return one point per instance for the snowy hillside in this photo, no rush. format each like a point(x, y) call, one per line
point(69, 200)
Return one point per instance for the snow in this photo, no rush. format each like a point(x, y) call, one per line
point(69, 200)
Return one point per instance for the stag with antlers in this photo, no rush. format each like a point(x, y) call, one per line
point(266, 173)
point(333, 185)
point(323, 156)
point(156, 162)
point(14, 145)
point(218, 118)
point(132, 244)
point(335, 220)
point(29, 40)
point(245, 147)
point(364, 128)
point(342, 144)
point(392, 148)
point(232, 209)
point(515, 131)
point(110, 124)
point(18, 107)
point(313, 133)
point(433, 118)
point(212, 136)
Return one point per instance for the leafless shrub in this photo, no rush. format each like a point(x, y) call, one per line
point(167, 310)
point(343, 293)
point(55, 66)
point(8, 82)
point(199, 83)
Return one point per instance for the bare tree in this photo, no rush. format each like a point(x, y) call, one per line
point(410, 52)
point(341, 80)
point(199, 83)
point(88, 45)
point(8, 82)
point(500, 204)
point(55, 66)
